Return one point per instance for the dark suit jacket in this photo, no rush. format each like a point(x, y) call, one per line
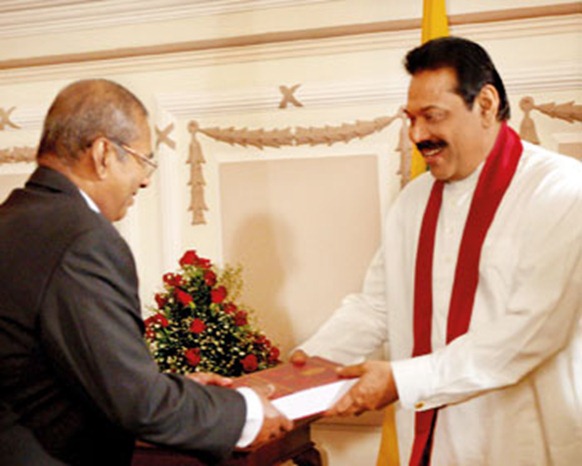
point(77, 383)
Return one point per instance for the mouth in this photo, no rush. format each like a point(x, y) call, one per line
point(430, 150)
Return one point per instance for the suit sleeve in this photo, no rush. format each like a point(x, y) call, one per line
point(92, 328)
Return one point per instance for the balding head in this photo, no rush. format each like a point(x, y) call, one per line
point(86, 110)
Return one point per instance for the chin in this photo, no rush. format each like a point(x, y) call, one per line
point(440, 175)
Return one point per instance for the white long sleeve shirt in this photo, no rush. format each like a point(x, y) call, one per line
point(510, 390)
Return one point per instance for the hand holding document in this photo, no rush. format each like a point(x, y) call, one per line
point(300, 391)
point(312, 401)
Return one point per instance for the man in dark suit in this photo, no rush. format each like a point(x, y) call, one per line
point(77, 383)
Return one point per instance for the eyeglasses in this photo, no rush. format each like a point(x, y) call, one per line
point(146, 160)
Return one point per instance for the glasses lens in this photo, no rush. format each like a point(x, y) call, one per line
point(145, 161)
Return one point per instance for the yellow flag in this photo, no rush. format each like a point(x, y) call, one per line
point(434, 24)
point(434, 20)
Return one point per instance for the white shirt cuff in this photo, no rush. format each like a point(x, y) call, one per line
point(413, 379)
point(254, 420)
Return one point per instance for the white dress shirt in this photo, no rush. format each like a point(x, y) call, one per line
point(510, 390)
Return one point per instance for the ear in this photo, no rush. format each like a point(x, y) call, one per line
point(100, 157)
point(488, 104)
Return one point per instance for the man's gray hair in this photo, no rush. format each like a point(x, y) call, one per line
point(86, 110)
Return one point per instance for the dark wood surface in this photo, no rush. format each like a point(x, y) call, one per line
point(295, 445)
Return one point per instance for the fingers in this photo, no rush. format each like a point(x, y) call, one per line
point(275, 424)
point(207, 378)
point(298, 358)
point(264, 389)
point(341, 407)
point(351, 404)
point(375, 389)
point(351, 371)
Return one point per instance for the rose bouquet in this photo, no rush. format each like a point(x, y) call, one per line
point(197, 326)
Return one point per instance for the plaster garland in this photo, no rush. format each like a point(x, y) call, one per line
point(276, 138)
point(568, 111)
point(279, 137)
point(18, 154)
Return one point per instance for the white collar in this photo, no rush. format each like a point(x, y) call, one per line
point(89, 201)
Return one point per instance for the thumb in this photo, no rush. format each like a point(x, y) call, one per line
point(298, 358)
point(351, 371)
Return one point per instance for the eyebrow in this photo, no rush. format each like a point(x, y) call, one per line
point(425, 109)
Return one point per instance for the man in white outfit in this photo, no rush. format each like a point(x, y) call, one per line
point(477, 286)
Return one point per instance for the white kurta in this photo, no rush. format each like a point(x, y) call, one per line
point(510, 390)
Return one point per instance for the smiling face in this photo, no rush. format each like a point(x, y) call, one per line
point(452, 138)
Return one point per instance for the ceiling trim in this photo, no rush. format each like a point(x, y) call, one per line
point(85, 15)
point(516, 22)
point(254, 50)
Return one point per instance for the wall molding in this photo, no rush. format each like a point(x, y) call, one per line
point(562, 77)
point(188, 105)
point(384, 35)
point(27, 18)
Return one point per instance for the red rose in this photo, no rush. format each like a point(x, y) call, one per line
point(229, 308)
point(172, 279)
point(161, 300)
point(218, 294)
point(192, 355)
point(197, 326)
point(240, 318)
point(263, 340)
point(274, 354)
point(162, 320)
point(203, 263)
point(250, 363)
point(156, 319)
point(209, 277)
point(189, 258)
point(183, 297)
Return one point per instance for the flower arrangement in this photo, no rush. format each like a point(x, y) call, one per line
point(198, 327)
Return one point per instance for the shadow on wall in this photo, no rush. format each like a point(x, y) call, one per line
point(262, 244)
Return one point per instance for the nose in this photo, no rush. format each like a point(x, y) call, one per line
point(145, 182)
point(417, 132)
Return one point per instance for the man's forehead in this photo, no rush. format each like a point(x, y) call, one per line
point(439, 79)
point(431, 88)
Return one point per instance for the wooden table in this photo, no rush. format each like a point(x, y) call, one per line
point(295, 445)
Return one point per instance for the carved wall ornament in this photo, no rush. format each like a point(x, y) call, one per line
point(277, 138)
point(289, 97)
point(568, 111)
point(18, 154)
point(163, 136)
point(5, 119)
point(405, 148)
point(196, 159)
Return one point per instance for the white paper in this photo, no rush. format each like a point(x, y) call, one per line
point(312, 400)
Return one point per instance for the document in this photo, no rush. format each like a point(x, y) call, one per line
point(311, 401)
point(300, 391)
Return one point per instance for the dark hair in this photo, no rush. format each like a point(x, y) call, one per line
point(470, 62)
point(86, 110)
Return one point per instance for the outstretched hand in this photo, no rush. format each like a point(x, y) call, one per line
point(208, 378)
point(375, 389)
point(275, 424)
